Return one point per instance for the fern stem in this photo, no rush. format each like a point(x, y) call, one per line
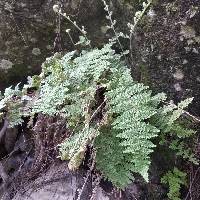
point(75, 25)
point(3, 130)
point(97, 110)
point(112, 26)
point(87, 177)
point(133, 28)
point(71, 38)
point(196, 119)
point(189, 193)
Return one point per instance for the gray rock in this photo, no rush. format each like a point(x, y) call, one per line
point(58, 183)
point(27, 33)
point(5, 64)
point(173, 66)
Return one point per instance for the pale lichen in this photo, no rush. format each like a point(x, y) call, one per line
point(5, 64)
point(178, 75)
point(187, 32)
point(36, 51)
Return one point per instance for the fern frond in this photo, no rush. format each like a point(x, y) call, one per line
point(175, 179)
point(110, 159)
point(182, 150)
point(12, 103)
point(131, 103)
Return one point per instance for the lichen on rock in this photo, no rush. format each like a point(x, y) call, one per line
point(5, 64)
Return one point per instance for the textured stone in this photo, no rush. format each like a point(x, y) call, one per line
point(173, 64)
point(5, 64)
point(165, 47)
point(58, 183)
point(27, 33)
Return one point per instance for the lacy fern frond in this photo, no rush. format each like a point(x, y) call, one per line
point(131, 105)
point(175, 179)
point(11, 103)
point(167, 120)
point(168, 115)
point(183, 150)
point(73, 149)
point(110, 159)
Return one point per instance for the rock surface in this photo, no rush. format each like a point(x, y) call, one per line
point(168, 46)
point(28, 30)
point(166, 49)
point(58, 183)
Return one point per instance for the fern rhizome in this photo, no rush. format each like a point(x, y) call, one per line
point(105, 110)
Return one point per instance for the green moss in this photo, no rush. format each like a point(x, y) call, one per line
point(130, 3)
point(14, 75)
point(145, 78)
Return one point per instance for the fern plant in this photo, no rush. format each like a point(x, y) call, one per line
point(122, 138)
point(128, 104)
point(104, 108)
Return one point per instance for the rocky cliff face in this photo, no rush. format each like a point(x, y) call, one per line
point(166, 44)
point(169, 45)
point(28, 30)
